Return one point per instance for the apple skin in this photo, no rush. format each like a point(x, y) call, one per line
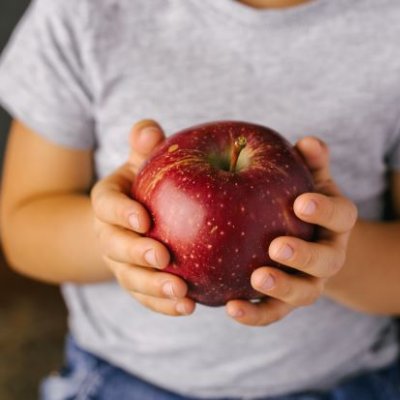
point(218, 224)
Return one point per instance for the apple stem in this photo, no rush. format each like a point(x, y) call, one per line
point(238, 145)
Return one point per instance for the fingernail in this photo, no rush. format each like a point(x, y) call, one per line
point(134, 221)
point(236, 312)
point(150, 257)
point(168, 289)
point(146, 133)
point(181, 309)
point(309, 208)
point(285, 252)
point(268, 283)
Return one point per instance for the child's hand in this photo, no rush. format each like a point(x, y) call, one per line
point(317, 262)
point(136, 261)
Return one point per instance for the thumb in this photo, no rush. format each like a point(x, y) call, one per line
point(315, 153)
point(144, 137)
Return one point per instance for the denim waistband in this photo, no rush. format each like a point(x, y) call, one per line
point(88, 377)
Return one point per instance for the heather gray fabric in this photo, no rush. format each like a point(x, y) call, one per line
point(80, 72)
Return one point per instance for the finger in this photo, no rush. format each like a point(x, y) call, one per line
point(144, 137)
point(127, 247)
point(112, 204)
point(149, 282)
point(337, 214)
point(316, 155)
point(266, 312)
point(294, 290)
point(169, 307)
point(321, 260)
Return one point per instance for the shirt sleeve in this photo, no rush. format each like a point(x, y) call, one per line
point(43, 82)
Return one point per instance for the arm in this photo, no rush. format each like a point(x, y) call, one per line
point(53, 230)
point(370, 278)
point(354, 262)
point(47, 220)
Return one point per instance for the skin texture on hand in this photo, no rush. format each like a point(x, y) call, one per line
point(369, 281)
point(136, 261)
point(318, 261)
point(325, 265)
point(47, 206)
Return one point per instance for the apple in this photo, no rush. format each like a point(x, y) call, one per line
point(218, 194)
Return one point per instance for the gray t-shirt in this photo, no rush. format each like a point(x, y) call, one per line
point(81, 72)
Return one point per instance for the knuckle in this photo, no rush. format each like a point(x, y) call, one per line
point(287, 291)
point(123, 278)
point(99, 202)
point(109, 243)
point(136, 296)
point(110, 264)
point(309, 259)
point(120, 213)
point(337, 262)
point(330, 211)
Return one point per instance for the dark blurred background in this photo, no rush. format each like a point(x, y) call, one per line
point(32, 315)
point(10, 12)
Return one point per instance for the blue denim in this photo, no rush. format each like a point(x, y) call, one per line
point(86, 377)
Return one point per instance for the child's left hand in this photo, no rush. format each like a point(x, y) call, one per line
point(317, 261)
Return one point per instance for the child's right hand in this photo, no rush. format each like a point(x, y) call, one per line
point(135, 260)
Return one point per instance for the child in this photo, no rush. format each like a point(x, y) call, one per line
point(75, 76)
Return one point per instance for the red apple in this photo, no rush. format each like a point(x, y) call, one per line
point(218, 194)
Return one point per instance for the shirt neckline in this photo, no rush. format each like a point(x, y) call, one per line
point(244, 14)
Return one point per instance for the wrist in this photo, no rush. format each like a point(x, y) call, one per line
point(368, 281)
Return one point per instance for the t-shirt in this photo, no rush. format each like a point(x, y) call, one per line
point(81, 72)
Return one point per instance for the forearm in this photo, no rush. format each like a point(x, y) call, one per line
point(370, 279)
point(52, 239)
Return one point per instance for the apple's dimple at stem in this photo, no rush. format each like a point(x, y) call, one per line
point(238, 145)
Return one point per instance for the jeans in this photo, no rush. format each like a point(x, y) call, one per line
point(86, 377)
